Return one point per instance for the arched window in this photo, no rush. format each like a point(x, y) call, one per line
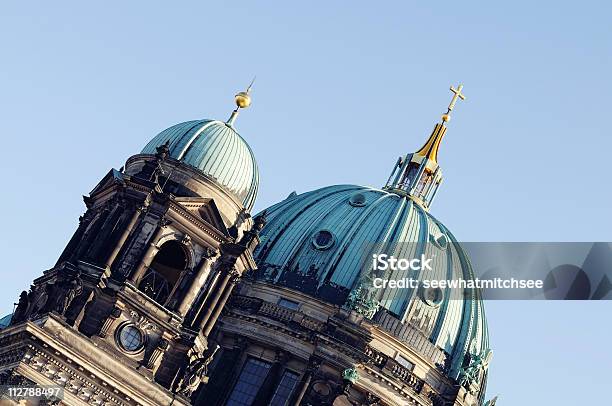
point(164, 272)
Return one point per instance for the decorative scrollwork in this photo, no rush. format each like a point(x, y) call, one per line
point(142, 322)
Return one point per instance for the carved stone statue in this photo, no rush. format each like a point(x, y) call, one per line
point(196, 372)
point(21, 312)
point(62, 292)
point(163, 151)
point(258, 224)
point(242, 217)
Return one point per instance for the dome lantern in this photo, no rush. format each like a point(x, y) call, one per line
point(419, 175)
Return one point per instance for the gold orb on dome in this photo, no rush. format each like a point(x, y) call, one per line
point(446, 117)
point(243, 100)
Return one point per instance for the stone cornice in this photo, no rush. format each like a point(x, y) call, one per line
point(187, 171)
point(377, 364)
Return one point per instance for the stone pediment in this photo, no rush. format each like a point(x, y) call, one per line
point(113, 177)
point(204, 209)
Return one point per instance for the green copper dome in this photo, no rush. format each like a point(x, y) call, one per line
point(218, 151)
point(321, 243)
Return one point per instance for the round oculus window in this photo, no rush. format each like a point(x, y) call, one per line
point(441, 241)
point(323, 239)
point(357, 200)
point(433, 296)
point(130, 338)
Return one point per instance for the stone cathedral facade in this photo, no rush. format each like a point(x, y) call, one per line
point(172, 292)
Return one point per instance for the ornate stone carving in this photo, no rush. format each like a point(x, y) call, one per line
point(196, 372)
point(243, 215)
point(163, 151)
point(143, 322)
point(208, 253)
point(234, 276)
point(164, 222)
point(75, 382)
point(371, 399)
point(54, 296)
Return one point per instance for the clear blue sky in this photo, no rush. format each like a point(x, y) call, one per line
point(342, 90)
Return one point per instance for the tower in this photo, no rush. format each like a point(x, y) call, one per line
point(124, 316)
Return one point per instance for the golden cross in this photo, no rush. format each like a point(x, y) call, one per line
point(457, 94)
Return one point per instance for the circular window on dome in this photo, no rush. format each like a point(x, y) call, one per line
point(357, 200)
point(323, 239)
point(439, 240)
point(130, 338)
point(433, 296)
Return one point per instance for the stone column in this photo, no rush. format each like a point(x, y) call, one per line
point(148, 256)
point(84, 222)
point(160, 348)
point(196, 280)
point(302, 387)
point(229, 281)
point(216, 291)
point(126, 232)
point(90, 232)
point(174, 361)
point(103, 234)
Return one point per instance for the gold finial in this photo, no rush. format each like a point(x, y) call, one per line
point(243, 100)
point(457, 95)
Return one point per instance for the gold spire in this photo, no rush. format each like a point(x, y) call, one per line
point(242, 100)
point(431, 147)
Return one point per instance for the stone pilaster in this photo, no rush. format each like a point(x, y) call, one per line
point(110, 321)
point(174, 361)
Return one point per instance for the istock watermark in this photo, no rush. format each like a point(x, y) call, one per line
point(384, 262)
point(498, 270)
point(496, 283)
